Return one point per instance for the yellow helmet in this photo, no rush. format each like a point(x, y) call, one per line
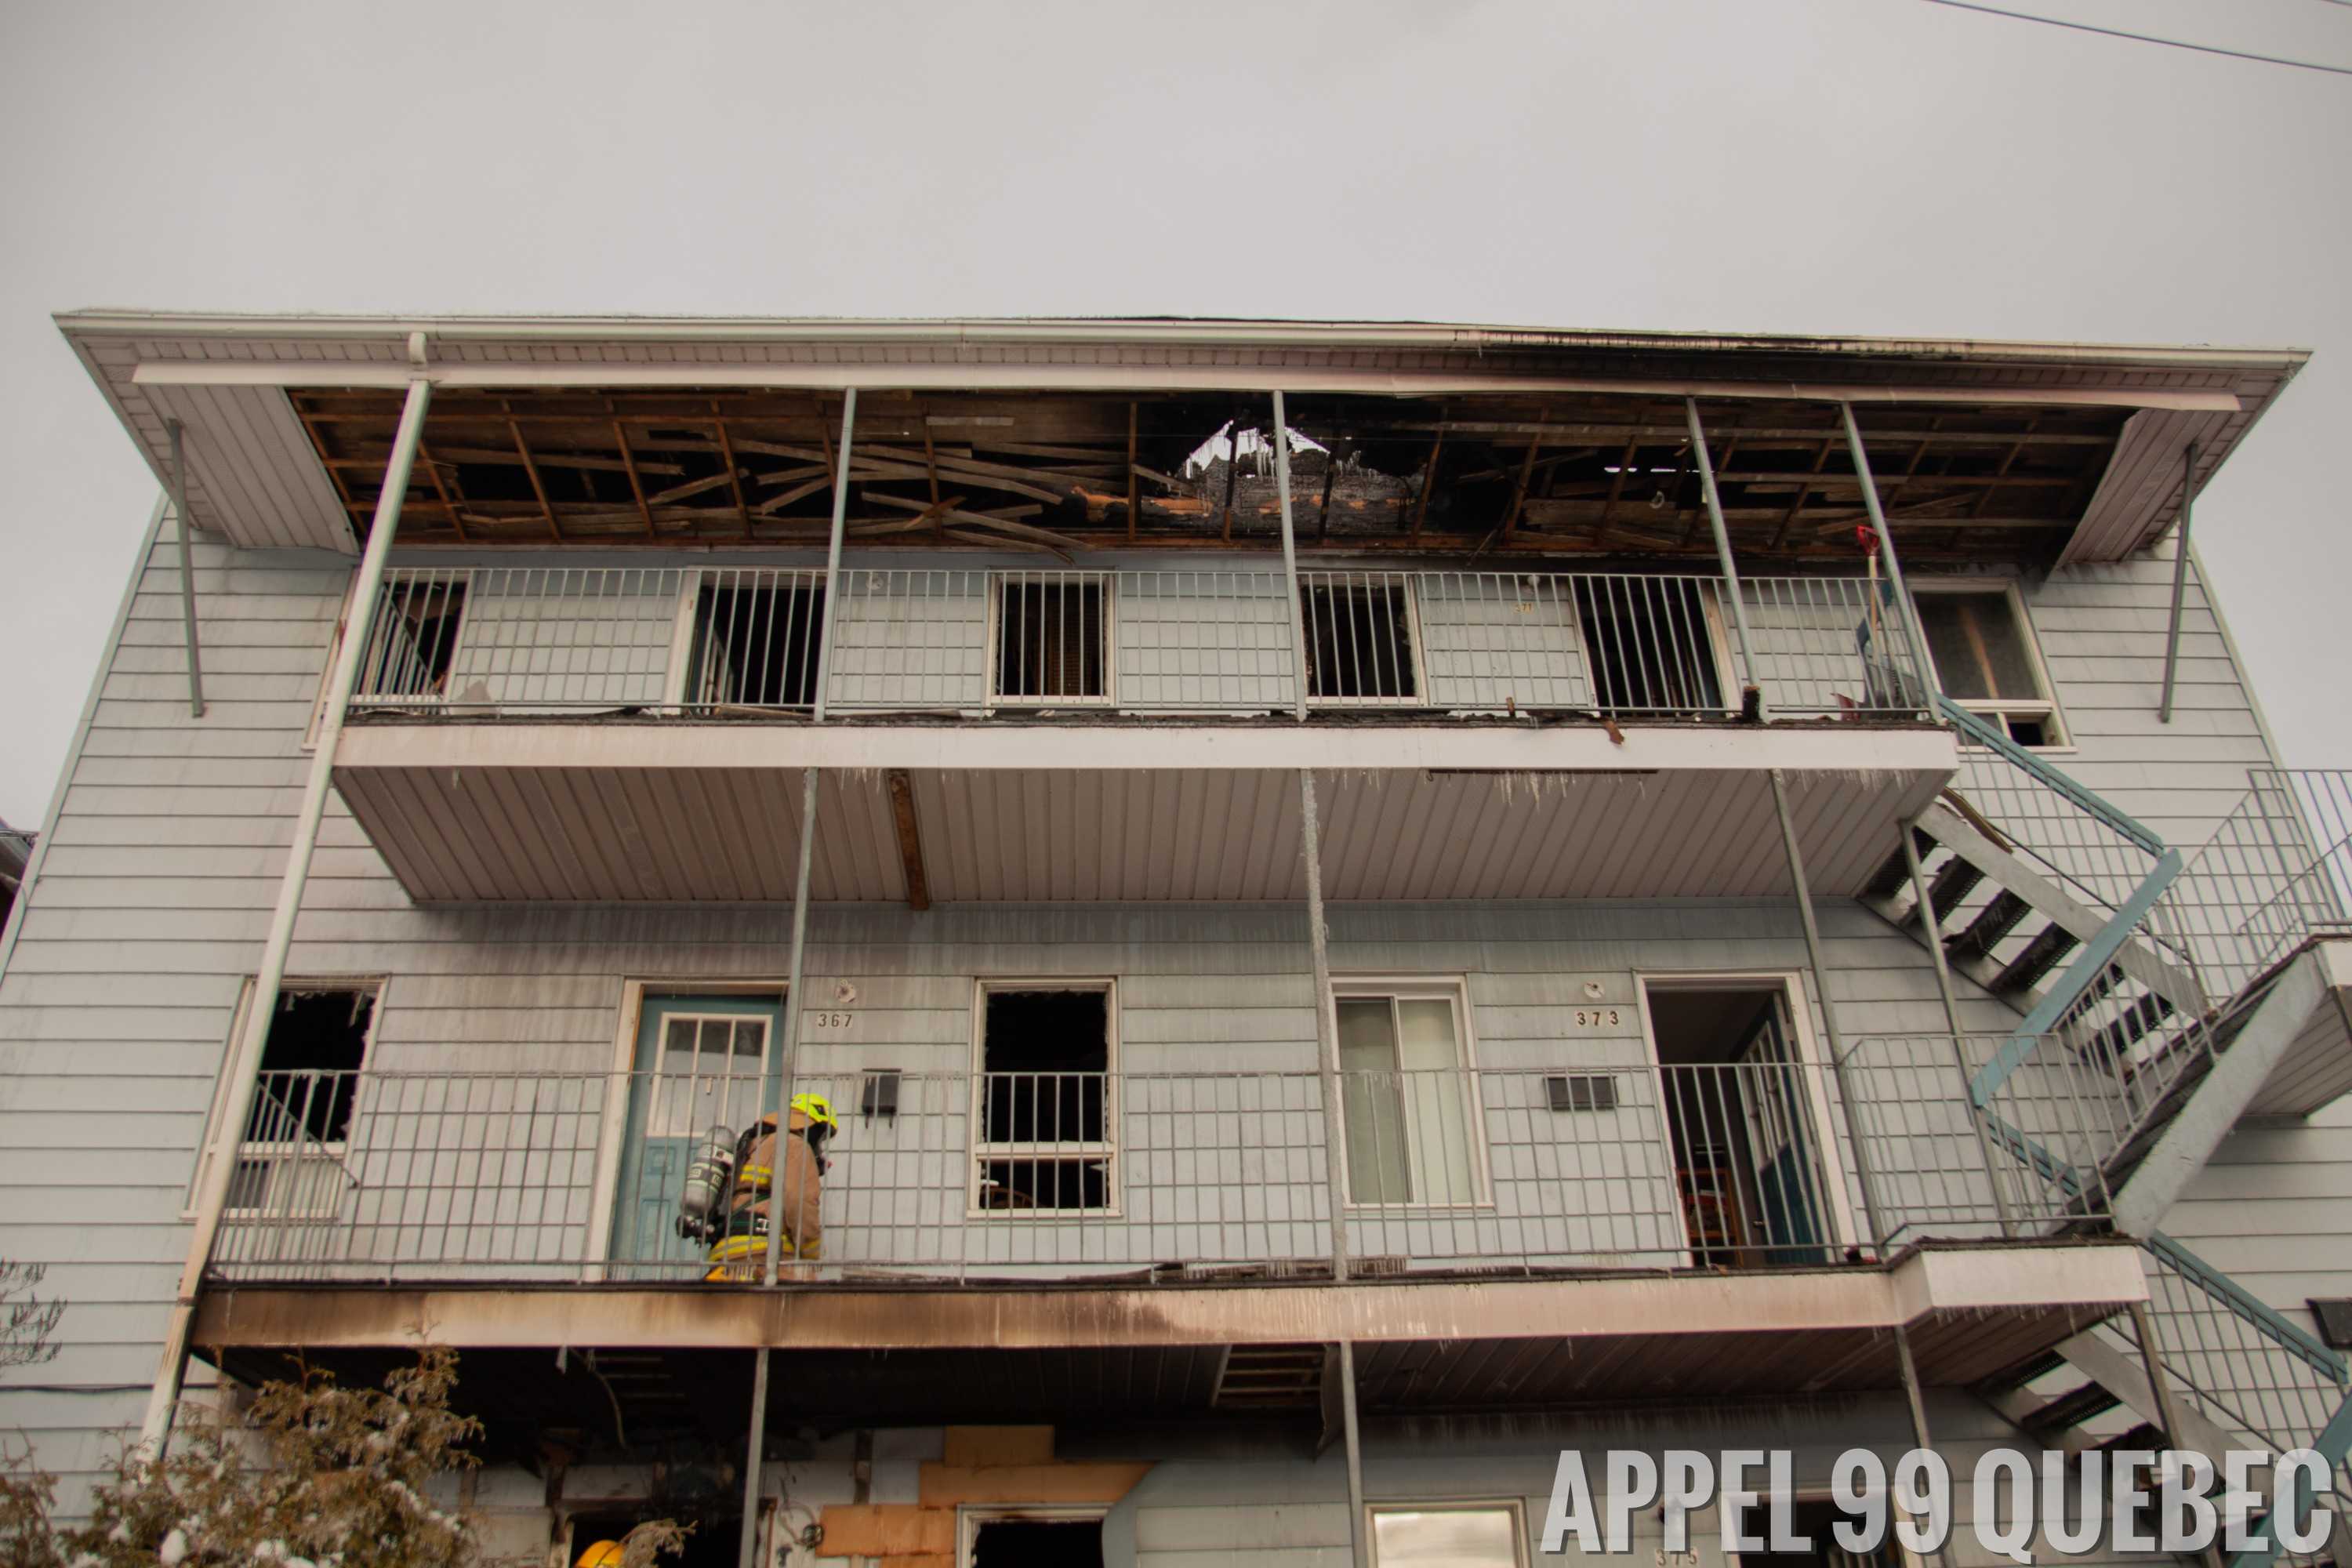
point(814, 1107)
point(602, 1554)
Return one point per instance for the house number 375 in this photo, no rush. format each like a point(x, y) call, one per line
point(830, 1020)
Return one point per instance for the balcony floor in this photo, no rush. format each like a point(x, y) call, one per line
point(1014, 811)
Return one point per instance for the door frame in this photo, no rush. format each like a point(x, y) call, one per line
point(616, 1112)
point(1792, 984)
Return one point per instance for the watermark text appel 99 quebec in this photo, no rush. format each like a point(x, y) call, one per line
point(2124, 1501)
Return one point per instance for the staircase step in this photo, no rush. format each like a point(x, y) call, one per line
point(1890, 878)
point(1993, 922)
point(2069, 1411)
point(2041, 955)
point(1954, 881)
point(2041, 1363)
point(2114, 1043)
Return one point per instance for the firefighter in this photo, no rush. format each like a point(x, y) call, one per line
point(602, 1554)
point(744, 1244)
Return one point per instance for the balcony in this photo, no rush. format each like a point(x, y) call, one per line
point(625, 733)
point(1682, 1213)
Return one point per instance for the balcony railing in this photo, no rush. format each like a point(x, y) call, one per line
point(743, 641)
point(2278, 869)
point(1156, 1177)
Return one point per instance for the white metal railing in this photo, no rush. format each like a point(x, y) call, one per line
point(2277, 870)
point(729, 640)
point(563, 1177)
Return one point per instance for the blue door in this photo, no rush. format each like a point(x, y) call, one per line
point(700, 1063)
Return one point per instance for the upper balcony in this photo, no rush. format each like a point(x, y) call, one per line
point(543, 731)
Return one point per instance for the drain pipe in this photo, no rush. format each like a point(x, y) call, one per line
point(180, 526)
point(1289, 569)
point(2179, 586)
point(1829, 1013)
point(244, 1069)
point(833, 551)
point(1747, 681)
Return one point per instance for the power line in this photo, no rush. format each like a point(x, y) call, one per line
point(2148, 38)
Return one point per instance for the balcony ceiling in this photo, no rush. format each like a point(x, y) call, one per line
point(694, 814)
point(1071, 436)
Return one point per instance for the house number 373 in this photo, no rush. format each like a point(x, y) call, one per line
point(1596, 1017)
point(830, 1020)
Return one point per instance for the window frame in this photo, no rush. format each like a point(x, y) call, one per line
point(1337, 581)
point(1716, 634)
point(686, 627)
point(1999, 709)
point(1453, 989)
point(1515, 1506)
point(978, 1153)
point(213, 1141)
point(1104, 582)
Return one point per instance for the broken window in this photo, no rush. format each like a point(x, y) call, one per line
point(1650, 643)
point(1985, 660)
point(1047, 1542)
point(289, 1157)
point(1810, 1520)
point(755, 641)
point(1359, 635)
point(1050, 637)
point(1045, 1118)
point(414, 643)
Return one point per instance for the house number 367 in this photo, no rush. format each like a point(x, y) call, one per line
point(830, 1020)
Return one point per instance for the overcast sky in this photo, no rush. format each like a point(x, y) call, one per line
point(1879, 166)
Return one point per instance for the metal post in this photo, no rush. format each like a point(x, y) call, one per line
point(833, 551)
point(1829, 1013)
point(245, 1063)
point(1289, 556)
point(1919, 1433)
point(1952, 1017)
point(778, 1094)
point(1908, 611)
point(187, 570)
point(1355, 1451)
point(1327, 1028)
point(2168, 1401)
point(1723, 552)
point(2179, 584)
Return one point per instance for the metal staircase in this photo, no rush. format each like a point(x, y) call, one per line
point(2170, 1000)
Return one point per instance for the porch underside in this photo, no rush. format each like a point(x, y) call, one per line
point(1011, 811)
point(851, 1356)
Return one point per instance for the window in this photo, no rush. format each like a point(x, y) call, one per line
point(1360, 641)
point(1985, 660)
point(414, 643)
point(1050, 638)
point(755, 641)
point(1448, 1535)
point(1033, 1538)
point(1044, 1103)
point(1413, 1136)
point(1651, 644)
point(289, 1159)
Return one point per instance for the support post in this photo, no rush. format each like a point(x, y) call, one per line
point(2179, 584)
point(778, 1092)
point(2168, 1401)
point(1353, 1438)
point(1944, 988)
point(1327, 1028)
point(1919, 1434)
point(832, 551)
point(187, 570)
point(1746, 670)
point(1290, 565)
point(244, 1066)
point(1828, 1014)
point(1904, 608)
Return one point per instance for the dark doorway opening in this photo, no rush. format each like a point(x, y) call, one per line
point(1038, 1543)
